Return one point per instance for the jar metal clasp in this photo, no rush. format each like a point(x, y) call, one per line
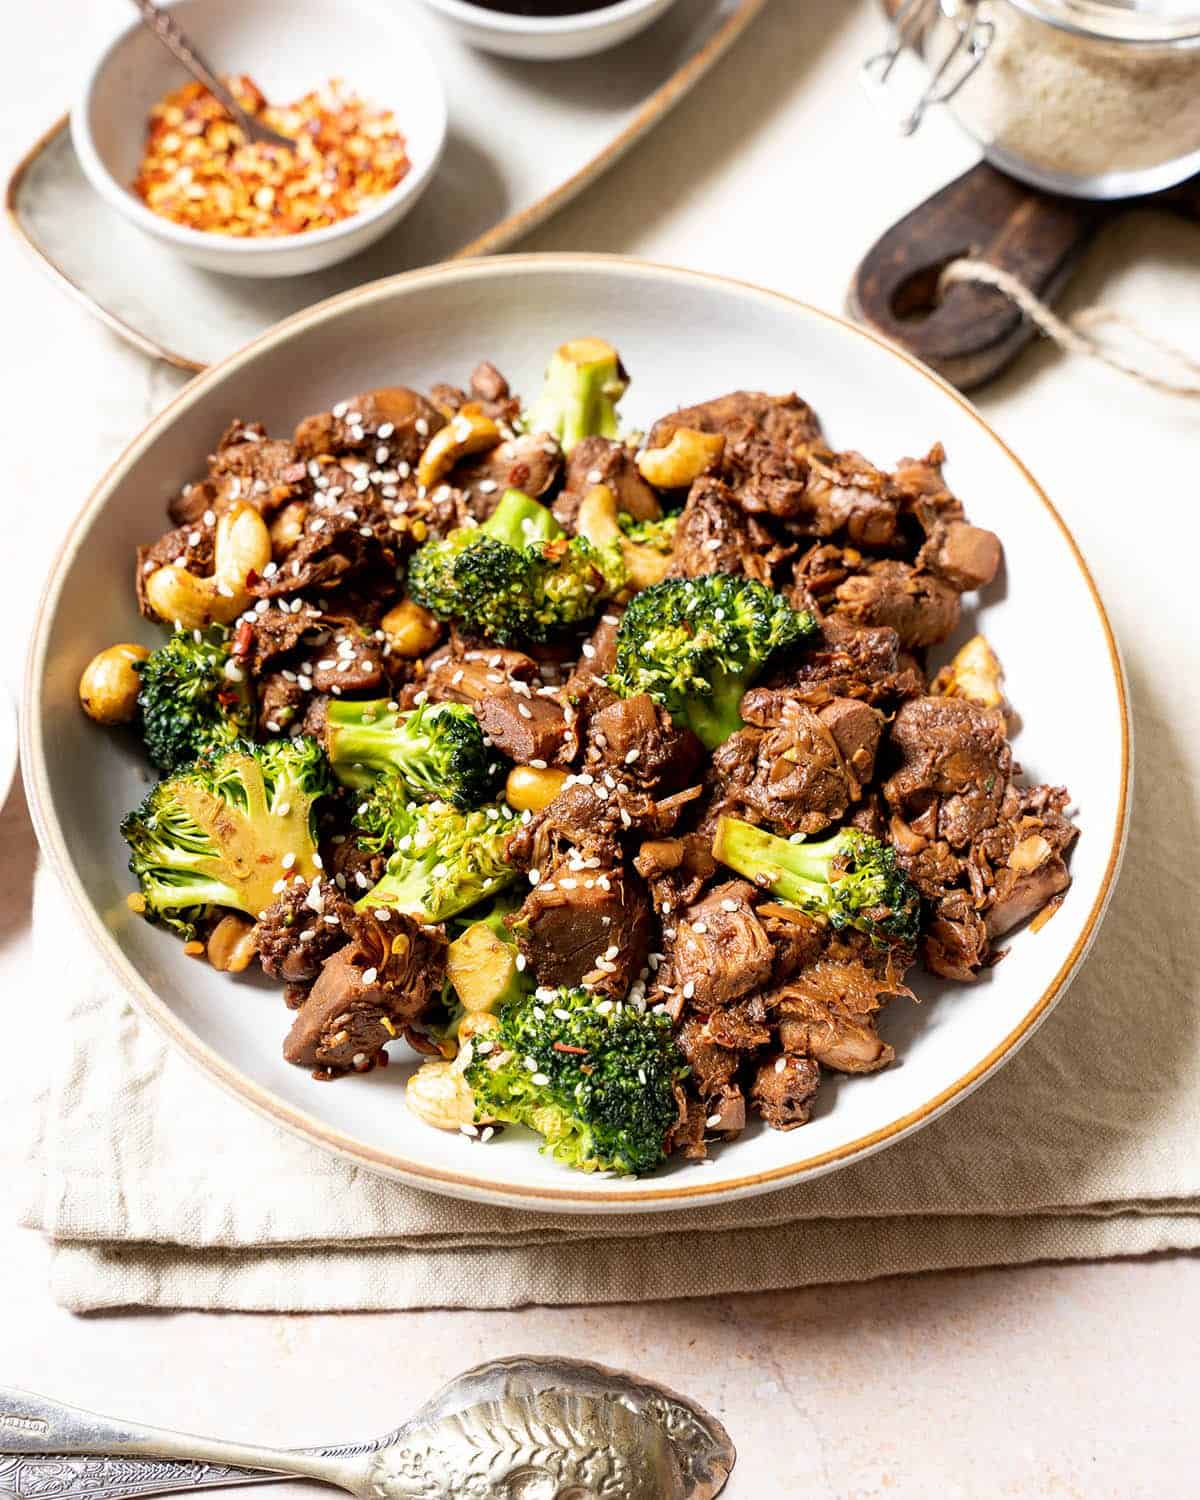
point(969, 42)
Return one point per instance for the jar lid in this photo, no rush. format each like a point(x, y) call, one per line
point(1143, 21)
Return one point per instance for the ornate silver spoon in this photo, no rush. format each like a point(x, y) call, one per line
point(169, 32)
point(541, 1429)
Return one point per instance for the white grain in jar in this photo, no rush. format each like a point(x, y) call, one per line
point(1098, 98)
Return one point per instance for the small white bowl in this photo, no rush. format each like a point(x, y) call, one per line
point(549, 38)
point(288, 47)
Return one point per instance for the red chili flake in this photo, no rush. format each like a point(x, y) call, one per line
point(382, 1059)
point(243, 639)
point(563, 1047)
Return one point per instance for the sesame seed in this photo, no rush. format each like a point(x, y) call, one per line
point(781, 1064)
point(689, 989)
point(488, 1130)
point(521, 962)
point(486, 486)
point(594, 476)
point(369, 976)
point(468, 1129)
point(588, 649)
point(538, 765)
point(526, 713)
point(534, 876)
point(381, 454)
point(318, 861)
point(540, 1078)
point(728, 905)
point(382, 914)
point(422, 427)
point(340, 409)
point(288, 860)
point(632, 755)
point(699, 926)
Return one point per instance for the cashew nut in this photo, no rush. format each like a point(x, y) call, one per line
point(108, 689)
point(688, 454)
point(466, 433)
point(530, 788)
point(232, 944)
point(974, 674)
point(476, 1023)
point(597, 520)
point(288, 527)
point(242, 547)
point(410, 630)
point(439, 1094)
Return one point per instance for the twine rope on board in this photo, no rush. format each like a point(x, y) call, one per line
point(1174, 370)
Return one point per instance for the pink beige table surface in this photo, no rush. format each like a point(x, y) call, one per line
point(1074, 1380)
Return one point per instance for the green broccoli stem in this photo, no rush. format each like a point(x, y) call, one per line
point(521, 521)
point(716, 716)
point(584, 382)
point(364, 739)
point(184, 894)
point(794, 872)
point(361, 739)
point(405, 887)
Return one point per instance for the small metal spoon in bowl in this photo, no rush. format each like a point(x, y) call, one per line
point(543, 1429)
point(171, 35)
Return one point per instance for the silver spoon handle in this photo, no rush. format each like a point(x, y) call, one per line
point(104, 1478)
point(32, 1425)
point(180, 46)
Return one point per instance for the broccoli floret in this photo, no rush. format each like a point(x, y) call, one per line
point(658, 536)
point(227, 831)
point(596, 1078)
point(696, 644)
point(437, 751)
point(584, 382)
point(444, 860)
point(518, 577)
point(851, 879)
point(193, 696)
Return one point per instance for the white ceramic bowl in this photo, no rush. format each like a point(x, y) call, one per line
point(684, 336)
point(549, 38)
point(288, 47)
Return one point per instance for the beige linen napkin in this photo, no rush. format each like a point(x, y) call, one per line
point(157, 1189)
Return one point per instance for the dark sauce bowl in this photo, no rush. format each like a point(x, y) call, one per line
point(548, 30)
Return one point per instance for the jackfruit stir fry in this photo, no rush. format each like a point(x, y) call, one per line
point(616, 777)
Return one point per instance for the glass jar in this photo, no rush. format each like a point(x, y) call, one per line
point(1094, 98)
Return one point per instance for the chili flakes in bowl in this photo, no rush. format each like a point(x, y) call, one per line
point(198, 169)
